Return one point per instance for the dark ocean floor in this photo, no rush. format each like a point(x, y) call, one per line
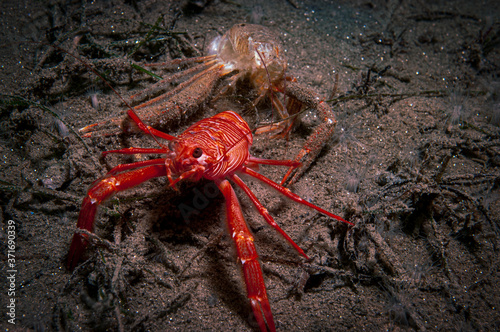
point(414, 164)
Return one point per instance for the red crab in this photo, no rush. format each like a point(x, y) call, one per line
point(216, 148)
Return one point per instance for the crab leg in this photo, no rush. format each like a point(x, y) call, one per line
point(177, 62)
point(99, 193)
point(263, 212)
point(161, 84)
point(318, 138)
point(214, 68)
point(291, 195)
point(259, 161)
point(125, 167)
point(166, 109)
point(243, 240)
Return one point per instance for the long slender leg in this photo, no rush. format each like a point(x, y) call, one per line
point(161, 84)
point(136, 151)
point(243, 240)
point(99, 193)
point(178, 88)
point(263, 212)
point(148, 130)
point(185, 61)
point(289, 194)
point(178, 103)
point(133, 121)
point(164, 110)
point(291, 163)
point(287, 113)
point(138, 164)
point(103, 128)
point(318, 138)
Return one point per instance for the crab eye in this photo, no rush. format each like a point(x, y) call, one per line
point(197, 152)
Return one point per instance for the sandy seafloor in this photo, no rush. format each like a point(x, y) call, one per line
point(414, 164)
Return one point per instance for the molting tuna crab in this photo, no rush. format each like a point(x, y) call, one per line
point(246, 51)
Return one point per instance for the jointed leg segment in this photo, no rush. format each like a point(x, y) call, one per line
point(99, 193)
point(263, 212)
point(243, 240)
